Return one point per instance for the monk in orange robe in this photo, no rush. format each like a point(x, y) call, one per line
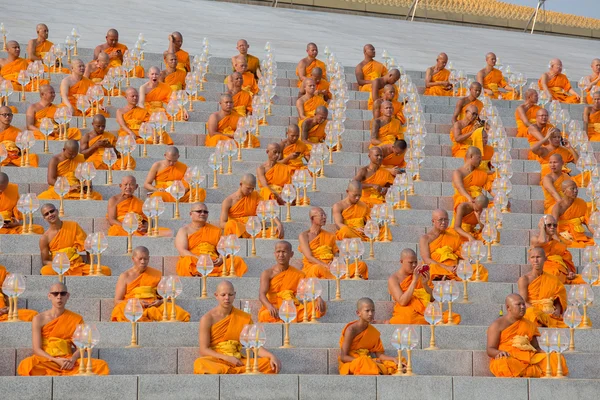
point(219, 338)
point(386, 129)
point(492, 80)
point(538, 130)
point(351, 214)
point(572, 213)
point(253, 62)
point(469, 181)
point(375, 179)
point(378, 85)
point(272, 175)
point(38, 47)
point(141, 282)
point(321, 85)
point(183, 57)
point(222, 124)
point(8, 137)
point(249, 83)
point(552, 182)
point(472, 99)
point(75, 85)
point(411, 290)
point(242, 100)
point(239, 206)
point(11, 216)
point(544, 294)
point(312, 129)
point(389, 94)
point(557, 85)
point(64, 237)
point(594, 81)
point(45, 109)
point(94, 142)
point(294, 150)
point(200, 237)
point(116, 52)
point(54, 353)
point(440, 247)
point(306, 65)
point(65, 164)
point(155, 95)
point(23, 314)
point(131, 117)
point(552, 145)
point(591, 118)
point(361, 349)
point(319, 247)
point(307, 104)
point(368, 69)
point(164, 172)
point(513, 347)
point(11, 66)
point(171, 75)
point(436, 78)
point(466, 221)
point(393, 155)
point(525, 114)
point(467, 132)
point(97, 69)
point(279, 283)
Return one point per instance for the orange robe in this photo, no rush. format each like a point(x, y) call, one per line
point(80, 89)
point(381, 177)
point(323, 247)
point(559, 88)
point(363, 345)
point(470, 224)
point(48, 112)
point(176, 80)
point(165, 177)
point(567, 157)
point(135, 205)
point(389, 132)
point(242, 103)
point(283, 287)
point(494, 81)
point(67, 169)
point(253, 64)
point(370, 102)
point(542, 293)
point(70, 240)
point(399, 114)
point(249, 83)
point(531, 139)
point(308, 70)
point(183, 60)
point(476, 103)
point(393, 160)
point(204, 241)
point(24, 314)
point(524, 360)
point(594, 127)
point(98, 75)
point(158, 97)
point(459, 149)
point(227, 126)
point(56, 341)
point(277, 176)
point(8, 209)
point(138, 71)
point(559, 262)
point(355, 218)
point(239, 213)
point(296, 163)
point(414, 312)
point(10, 72)
point(310, 107)
point(42, 48)
point(570, 225)
point(97, 159)
point(8, 138)
point(439, 76)
point(144, 288)
point(316, 134)
point(134, 118)
point(445, 249)
point(323, 86)
point(372, 70)
point(521, 127)
point(474, 183)
point(225, 339)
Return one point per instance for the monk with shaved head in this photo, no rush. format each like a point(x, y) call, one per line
point(307, 104)
point(242, 100)
point(469, 180)
point(591, 117)
point(556, 84)
point(467, 132)
point(436, 78)
point(525, 114)
point(538, 130)
point(163, 172)
point(249, 82)
point(572, 214)
point(38, 47)
point(272, 175)
point(368, 69)
point(183, 57)
point(294, 151)
point(375, 179)
point(321, 85)
point(306, 65)
point(219, 338)
point(45, 108)
point(493, 82)
point(512, 345)
point(12, 218)
point(155, 95)
point(252, 62)
point(386, 129)
point(76, 85)
point(554, 143)
point(13, 64)
point(171, 75)
point(351, 214)
point(377, 86)
point(467, 219)
point(552, 182)
point(594, 81)
point(389, 94)
point(222, 124)
point(312, 129)
point(116, 52)
point(471, 99)
point(97, 140)
point(97, 69)
point(9, 136)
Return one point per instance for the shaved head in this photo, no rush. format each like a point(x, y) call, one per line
point(511, 298)
point(556, 157)
point(45, 89)
point(58, 287)
point(102, 56)
point(224, 286)
point(274, 146)
point(473, 151)
point(364, 301)
point(248, 179)
point(178, 35)
point(284, 243)
point(141, 250)
point(112, 32)
point(482, 201)
point(407, 253)
point(72, 145)
point(99, 118)
point(3, 179)
point(155, 69)
point(354, 186)
point(172, 150)
point(439, 213)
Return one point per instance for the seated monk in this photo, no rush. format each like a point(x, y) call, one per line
point(591, 118)
point(559, 261)
point(242, 100)
point(361, 349)
point(411, 290)
point(318, 248)
point(8, 137)
point(38, 47)
point(351, 214)
point(97, 69)
point(11, 216)
point(23, 314)
point(525, 114)
point(467, 132)
point(552, 182)
point(493, 82)
point(440, 247)
point(545, 296)
point(308, 63)
point(594, 81)
point(171, 75)
point(74, 85)
point(273, 175)
point(219, 338)
point(557, 85)
point(241, 204)
point(54, 353)
point(386, 129)
point(64, 164)
point(13, 64)
point(183, 57)
point(312, 129)
point(295, 151)
point(393, 156)
point(321, 85)
point(249, 82)
point(572, 213)
point(46, 109)
point(368, 69)
point(472, 99)
point(389, 94)
point(125, 202)
point(131, 117)
point(553, 144)
point(200, 237)
point(116, 51)
point(469, 181)
point(307, 104)
point(95, 141)
point(164, 172)
point(467, 218)
point(538, 130)
point(378, 85)
point(436, 78)
point(155, 95)
point(513, 347)
point(222, 124)
point(280, 283)
point(64, 237)
point(140, 282)
point(252, 62)
point(375, 179)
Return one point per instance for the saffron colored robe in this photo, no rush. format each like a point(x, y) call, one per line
point(296, 163)
point(559, 88)
point(381, 177)
point(477, 103)
point(570, 225)
point(316, 134)
point(165, 177)
point(48, 112)
point(239, 213)
point(363, 345)
point(227, 126)
point(133, 204)
point(80, 89)
point(8, 138)
point(445, 249)
point(10, 72)
point(242, 103)
point(550, 201)
point(559, 262)
point(24, 314)
point(176, 80)
point(372, 70)
point(355, 218)
point(494, 81)
point(521, 127)
point(277, 176)
point(459, 149)
point(323, 247)
point(439, 76)
point(542, 292)
point(67, 169)
point(97, 157)
point(310, 107)
point(474, 183)
point(389, 132)
point(308, 70)
point(594, 127)
point(8, 209)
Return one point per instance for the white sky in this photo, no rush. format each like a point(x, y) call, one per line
point(586, 8)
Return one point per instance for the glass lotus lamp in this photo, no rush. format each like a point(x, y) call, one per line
point(371, 231)
point(60, 265)
point(451, 292)
point(146, 131)
point(204, 266)
point(288, 194)
point(584, 296)
point(177, 190)
point(572, 319)
point(215, 163)
point(433, 316)
point(258, 337)
point(62, 188)
point(109, 157)
point(247, 345)
point(287, 313)
point(464, 272)
point(314, 166)
point(229, 149)
point(409, 340)
point(130, 225)
point(133, 312)
point(338, 268)
point(253, 227)
point(559, 343)
point(79, 339)
point(46, 127)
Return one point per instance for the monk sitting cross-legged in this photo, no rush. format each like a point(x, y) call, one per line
point(95, 141)
point(467, 132)
point(378, 85)
point(200, 237)
point(242, 100)
point(8, 137)
point(140, 282)
point(393, 156)
point(171, 75)
point(386, 129)
point(249, 83)
point(240, 205)
point(472, 99)
point(318, 248)
point(368, 69)
point(131, 117)
point(23, 314)
point(280, 283)
point(467, 218)
point(64, 164)
point(164, 172)
point(375, 179)
point(12, 65)
point(411, 290)
point(219, 337)
point(494, 84)
point(252, 62)
point(389, 94)
point(307, 104)
point(183, 57)
point(54, 353)
point(155, 95)
point(116, 51)
point(538, 130)
point(351, 214)
point(75, 85)
point(46, 109)
point(552, 182)
point(222, 124)
point(38, 47)
point(572, 214)
point(513, 347)
point(64, 237)
point(469, 181)
point(554, 143)
point(294, 150)
point(591, 118)
point(525, 114)
point(273, 175)
point(97, 69)
point(312, 129)
point(307, 64)
point(557, 85)
point(436, 78)
point(361, 349)
point(11, 216)
point(321, 85)
point(440, 247)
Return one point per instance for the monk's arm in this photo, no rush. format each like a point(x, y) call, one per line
point(306, 252)
point(31, 45)
point(162, 76)
point(148, 183)
point(300, 108)
point(36, 346)
point(120, 289)
point(538, 148)
point(279, 227)
point(523, 116)
point(547, 184)
point(301, 69)
point(376, 110)
point(88, 69)
point(64, 94)
point(535, 344)
point(460, 214)
point(142, 97)
point(375, 89)
point(204, 343)
point(401, 298)
point(429, 79)
point(572, 150)
point(338, 219)
point(45, 250)
point(182, 245)
point(97, 51)
point(457, 110)
point(535, 132)
point(112, 212)
point(304, 131)
point(85, 148)
point(493, 342)
point(375, 133)
point(224, 212)
point(457, 181)
point(557, 211)
point(459, 136)
point(544, 81)
point(479, 78)
point(586, 118)
point(426, 254)
point(360, 76)
point(522, 283)
point(52, 171)
point(274, 361)
point(122, 123)
point(30, 119)
point(265, 283)
point(346, 346)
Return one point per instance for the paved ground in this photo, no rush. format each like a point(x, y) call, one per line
point(414, 44)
